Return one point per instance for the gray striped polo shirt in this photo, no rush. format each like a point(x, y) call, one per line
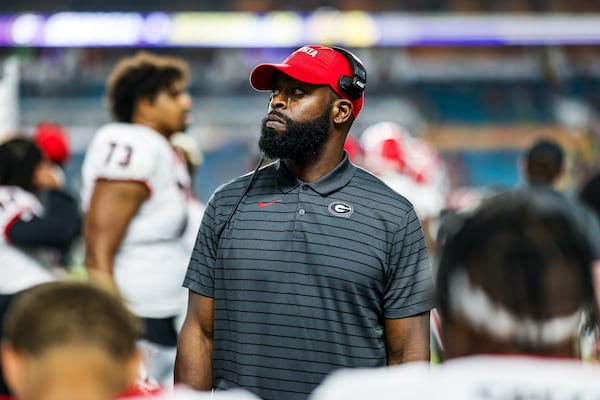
point(304, 275)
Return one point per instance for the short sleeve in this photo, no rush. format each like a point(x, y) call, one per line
point(409, 281)
point(125, 158)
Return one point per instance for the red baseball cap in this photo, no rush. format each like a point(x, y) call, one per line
point(315, 65)
point(53, 140)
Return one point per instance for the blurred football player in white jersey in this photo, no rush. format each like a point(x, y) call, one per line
point(514, 293)
point(410, 166)
point(134, 190)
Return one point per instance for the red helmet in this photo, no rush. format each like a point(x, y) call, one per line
point(391, 148)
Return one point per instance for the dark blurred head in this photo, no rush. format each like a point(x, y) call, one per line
point(143, 75)
point(70, 312)
point(19, 158)
point(544, 162)
point(590, 193)
point(515, 277)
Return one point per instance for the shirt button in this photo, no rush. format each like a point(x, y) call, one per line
point(301, 212)
point(304, 187)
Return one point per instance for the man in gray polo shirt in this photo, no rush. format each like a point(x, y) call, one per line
point(309, 264)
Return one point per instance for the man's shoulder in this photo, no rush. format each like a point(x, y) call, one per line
point(130, 134)
point(379, 191)
point(126, 147)
point(564, 203)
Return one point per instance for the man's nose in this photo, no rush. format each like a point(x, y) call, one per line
point(279, 100)
point(186, 100)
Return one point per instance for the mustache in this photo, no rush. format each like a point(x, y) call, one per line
point(279, 115)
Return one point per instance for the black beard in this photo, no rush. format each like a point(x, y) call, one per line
point(299, 140)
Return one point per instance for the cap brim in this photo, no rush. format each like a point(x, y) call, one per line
point(261, 77)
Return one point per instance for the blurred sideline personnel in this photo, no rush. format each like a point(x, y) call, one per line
point(34, 236)
point(134, 192)
point(189, 149)
point(589, 193)
point(543, 169)
point(410, 166)
point(310, 263)
point(514, 284)
point(69, 341)
point(53, 140)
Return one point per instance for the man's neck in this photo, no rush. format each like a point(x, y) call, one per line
point(313, 168)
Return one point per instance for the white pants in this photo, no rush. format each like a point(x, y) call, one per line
point(159, 361)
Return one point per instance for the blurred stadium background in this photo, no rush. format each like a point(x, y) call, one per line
point(479, 80)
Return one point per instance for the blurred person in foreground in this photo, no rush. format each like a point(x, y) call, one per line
point(69, 341)
point(74, 341)
point(309, 264)
point(34, 236)
point(134, 193)
point(514, 290)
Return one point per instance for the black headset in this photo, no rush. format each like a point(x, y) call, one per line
point(353, 85)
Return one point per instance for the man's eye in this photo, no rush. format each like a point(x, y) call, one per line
point(298, 91)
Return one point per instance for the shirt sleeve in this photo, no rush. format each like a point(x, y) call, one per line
point(124, 158)
point(409, 281)
point(57, 227)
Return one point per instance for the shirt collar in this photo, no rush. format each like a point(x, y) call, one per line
point(327, 184)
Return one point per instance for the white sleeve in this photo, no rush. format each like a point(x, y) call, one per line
point(16, 203)
point(124, 157)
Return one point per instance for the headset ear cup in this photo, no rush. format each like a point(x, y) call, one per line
point(345, 81)
point(347, 85)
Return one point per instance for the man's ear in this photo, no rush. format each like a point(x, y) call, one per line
point(143, 109)
point(13, 367)
point(342, 110)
